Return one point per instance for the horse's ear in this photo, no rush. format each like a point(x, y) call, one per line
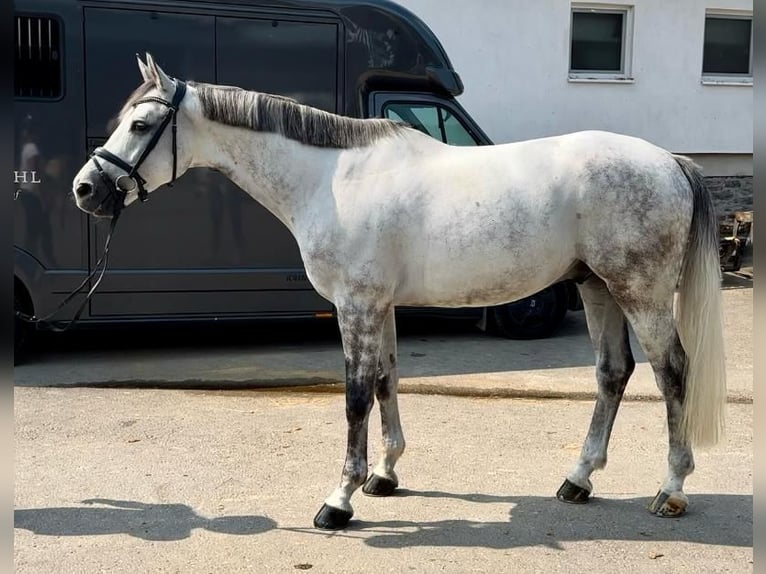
point(145, 74)
point(161, 79)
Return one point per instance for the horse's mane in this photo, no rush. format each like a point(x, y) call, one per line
point(278, 114)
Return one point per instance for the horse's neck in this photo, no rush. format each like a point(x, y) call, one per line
point(279, 173)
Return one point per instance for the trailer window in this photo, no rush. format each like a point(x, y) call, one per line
point(433, 120)
point(37, 72)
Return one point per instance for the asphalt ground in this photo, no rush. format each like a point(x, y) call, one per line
point(154, 480)
point(210, 451)
point(435, 357)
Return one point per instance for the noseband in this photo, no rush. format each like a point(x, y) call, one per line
point(132, 170)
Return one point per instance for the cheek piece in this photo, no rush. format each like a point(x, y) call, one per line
point(131, 180)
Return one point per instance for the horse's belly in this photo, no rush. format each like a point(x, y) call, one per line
point(486, 251)
point(488, 279)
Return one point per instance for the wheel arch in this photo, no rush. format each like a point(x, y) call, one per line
point(27, 275)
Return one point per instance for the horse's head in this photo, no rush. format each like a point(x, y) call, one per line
point(146, 150)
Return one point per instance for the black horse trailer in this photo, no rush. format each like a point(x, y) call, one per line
point(205, 250)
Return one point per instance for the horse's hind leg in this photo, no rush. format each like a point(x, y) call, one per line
point(383, 480)
point(614, 364)
point(361, 328)
point(656, 331)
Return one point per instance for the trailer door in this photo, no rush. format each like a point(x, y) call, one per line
point(202, 247)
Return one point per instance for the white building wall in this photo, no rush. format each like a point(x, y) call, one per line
point(513, 57)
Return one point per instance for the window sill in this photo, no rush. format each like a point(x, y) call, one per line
point(713, 81)
point(601, 80)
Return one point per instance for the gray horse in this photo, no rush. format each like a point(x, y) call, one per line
point(385, 215)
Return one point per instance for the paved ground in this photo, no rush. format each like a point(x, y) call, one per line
point(178, 479)
point(126, 480)
point(434, 357)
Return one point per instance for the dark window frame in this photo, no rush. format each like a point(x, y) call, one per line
point(723, 15)
point(61, 56)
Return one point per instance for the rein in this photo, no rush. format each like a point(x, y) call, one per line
point(56, 326)
point(118, 192)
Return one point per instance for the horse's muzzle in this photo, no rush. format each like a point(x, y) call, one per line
point(95, 198)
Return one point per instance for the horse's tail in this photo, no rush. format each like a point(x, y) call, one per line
point(700, 320)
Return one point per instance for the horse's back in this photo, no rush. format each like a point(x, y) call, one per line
point(479, 226)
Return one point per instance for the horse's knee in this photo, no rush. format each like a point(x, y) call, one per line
point(359, 402)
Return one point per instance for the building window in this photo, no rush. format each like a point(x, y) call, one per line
point(37, 48)
point(728, 47)
point(601, 37)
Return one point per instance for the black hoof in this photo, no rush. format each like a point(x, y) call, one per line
point(379, 486)
point(573, 494)
point(329, 518)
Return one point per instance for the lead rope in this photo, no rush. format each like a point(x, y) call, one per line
point(56, 326)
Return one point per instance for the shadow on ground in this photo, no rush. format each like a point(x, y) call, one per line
point(215, 358)
point(737, 280)
point(427, 347)
point(717, 519)
point(148, 521)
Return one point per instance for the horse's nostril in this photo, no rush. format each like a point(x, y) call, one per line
point(83, 189)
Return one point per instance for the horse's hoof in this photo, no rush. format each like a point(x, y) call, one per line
point(573, 494)
point(669, 505)
point(379, 486)
point(329, 518)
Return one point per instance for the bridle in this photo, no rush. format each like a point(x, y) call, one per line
point(118, 192)
point(131, 174)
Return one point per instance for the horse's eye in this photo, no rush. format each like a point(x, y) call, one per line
point(138, 126)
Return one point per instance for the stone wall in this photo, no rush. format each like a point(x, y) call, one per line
point(731, 194)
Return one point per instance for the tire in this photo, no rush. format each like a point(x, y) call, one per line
point(536, 317)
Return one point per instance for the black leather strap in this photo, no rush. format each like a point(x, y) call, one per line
point(111, 158)
point(177, 97)
point(114, 191)
point(132, 170)
point(56, 326)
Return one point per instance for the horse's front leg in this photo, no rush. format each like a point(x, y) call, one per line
point(383, 480)
point(361, 327)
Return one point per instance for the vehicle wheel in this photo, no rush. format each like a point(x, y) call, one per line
point(20, 331)
point(536, 317)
